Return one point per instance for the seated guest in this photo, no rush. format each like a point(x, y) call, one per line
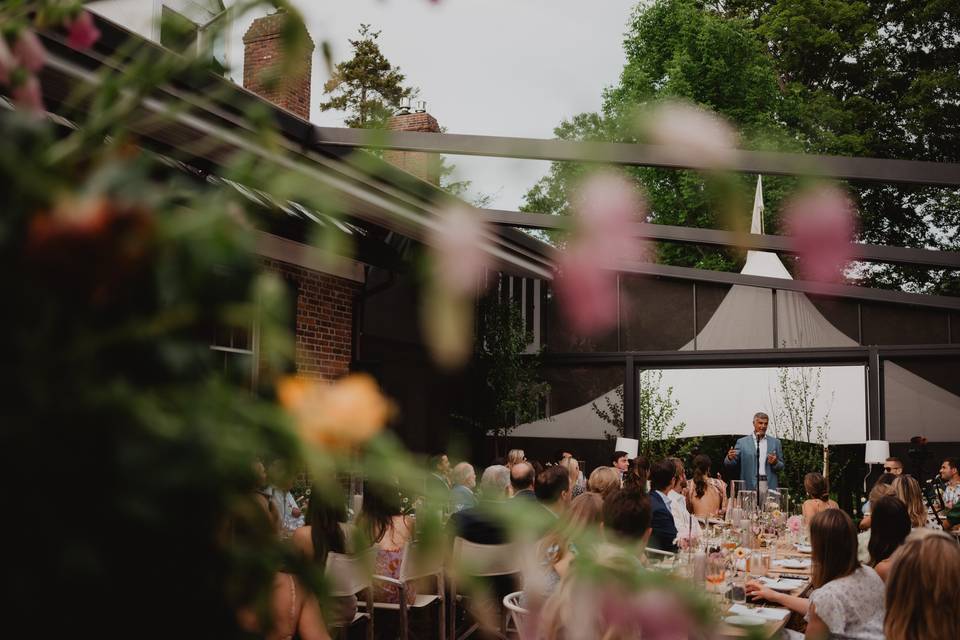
point(923, 589)
point(688, 527)
point(482, 524)
point(577, 484)
point(553, 489)
point(706, 496)
point(326, 531)
point(893, 466)
point(294, 612)
point(278, 491)
point(620, 462)
point(627, 514)
point(557, 549)
point(847, 600)
point(638, 475)
point(382, 522)
point(891, 526)
point(884, 487)
point(515, 457)
point(818, 495)
point(879, 491)
point(663, 479)
point(604, 480)
point(464, 480)
point(950, 475)
point(522, 480)
point(908, 490)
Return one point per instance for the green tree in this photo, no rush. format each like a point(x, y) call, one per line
point(878, 79)
point(657, 410)
point(366, 86)
point(675, 49)
point(512, 393)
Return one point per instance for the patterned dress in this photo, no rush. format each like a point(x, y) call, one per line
point(388, 564)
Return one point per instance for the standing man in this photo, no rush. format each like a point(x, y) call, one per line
point(950, 474)
point(760, 457)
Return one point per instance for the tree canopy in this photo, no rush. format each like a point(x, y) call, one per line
point(866, 78)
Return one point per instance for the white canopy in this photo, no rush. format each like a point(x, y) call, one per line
point(723, 401)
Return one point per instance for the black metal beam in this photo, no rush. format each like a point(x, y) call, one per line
point(803, 286)
point(716, 237)
point(630, 413)
point(761, 162)
point(706, 359)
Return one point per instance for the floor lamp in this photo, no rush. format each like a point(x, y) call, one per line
point(877, 452)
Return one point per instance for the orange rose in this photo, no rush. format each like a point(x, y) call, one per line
point(341, 415)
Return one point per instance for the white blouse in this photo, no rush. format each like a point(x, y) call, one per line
point(852, 607)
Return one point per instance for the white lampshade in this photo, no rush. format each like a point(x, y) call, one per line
point(877, 451)
point(629, 445)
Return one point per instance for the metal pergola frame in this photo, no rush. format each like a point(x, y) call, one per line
point(383, 195)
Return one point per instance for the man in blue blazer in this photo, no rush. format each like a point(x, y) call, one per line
point(745, 452)
point(663, 478)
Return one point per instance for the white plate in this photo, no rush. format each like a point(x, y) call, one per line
point(785, 585)
point(745, 621)
point(793, 563)
point(804, 548)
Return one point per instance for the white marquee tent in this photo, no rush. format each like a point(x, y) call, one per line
point(723, 401)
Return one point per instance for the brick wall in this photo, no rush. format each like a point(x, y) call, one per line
point(423, 165)
point(261, 57)
point(324, 320)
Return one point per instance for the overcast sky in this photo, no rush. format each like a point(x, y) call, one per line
point(491, 67)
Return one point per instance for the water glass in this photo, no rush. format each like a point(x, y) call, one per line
point(716, 572)
point(738, 587)
point(758, 563)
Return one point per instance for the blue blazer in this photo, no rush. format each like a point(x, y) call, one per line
point(661, 520)
point(747, 457)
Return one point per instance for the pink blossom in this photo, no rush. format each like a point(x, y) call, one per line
point(794, 523)
point(822, 222)
point(460, 260)
point(586, 291)
point(27, 94)
point(83, 32)
point(29, 51)
point(7, 62)
point(695, 135)
point(606, 208)
point(651, 615)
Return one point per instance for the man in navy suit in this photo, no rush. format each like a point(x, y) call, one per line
point(753, 449)
point(663, 478)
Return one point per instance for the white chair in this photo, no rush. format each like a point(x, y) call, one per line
point(515, 613)
point(417, 564)
point(659, 555)
point(472, 560)
point(349, 575)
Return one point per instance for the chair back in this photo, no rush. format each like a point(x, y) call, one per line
point(511, 602)
point(349, 574)
point(481, 560)
point(420, 562)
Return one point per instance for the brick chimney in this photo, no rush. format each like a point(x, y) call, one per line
point(425, 166)
point(262, 52)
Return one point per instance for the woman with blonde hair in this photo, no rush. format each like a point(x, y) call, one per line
point(604, 480)
point(557, 549)
point(818, 493)
point(923, 589)
point(576, 478)
point(908, 490)
point(515, 456)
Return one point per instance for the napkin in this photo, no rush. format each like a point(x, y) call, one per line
point(767, 613)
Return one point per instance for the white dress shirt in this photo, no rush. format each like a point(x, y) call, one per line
point(681, 517)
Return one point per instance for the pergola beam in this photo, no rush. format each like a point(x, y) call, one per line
point(714, 237)
point(643, 155)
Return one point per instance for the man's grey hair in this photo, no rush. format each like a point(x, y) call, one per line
point(494, 482)
point(761, 414)
point(461, 472)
